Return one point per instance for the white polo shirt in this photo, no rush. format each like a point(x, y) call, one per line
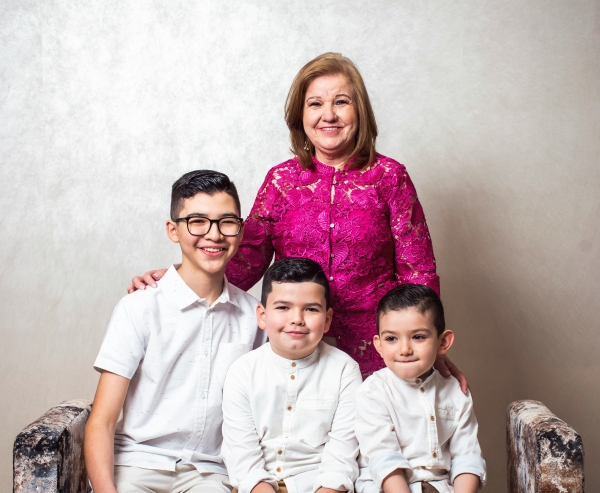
point(291, 420)
point(176, 351)
point(426, 427)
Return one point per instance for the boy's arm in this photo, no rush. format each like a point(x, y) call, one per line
point(241, 450)
point(338, 469)
point(464, 448)
point(395, 483)
point(100, 431)
point(377, 438)
point(466, 483)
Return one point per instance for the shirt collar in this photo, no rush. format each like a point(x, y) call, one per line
point(295, 364)
point(413, 382)
point(183, 296)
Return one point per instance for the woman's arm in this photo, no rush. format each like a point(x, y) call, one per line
point(100, 431)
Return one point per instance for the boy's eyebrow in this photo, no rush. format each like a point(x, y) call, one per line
point(201, 214)
point(284, 302)
point(412, 331)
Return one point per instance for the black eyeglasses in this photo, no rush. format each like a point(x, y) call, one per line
point(200, 225)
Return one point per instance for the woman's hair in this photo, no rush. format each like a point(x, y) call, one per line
point(331, 64)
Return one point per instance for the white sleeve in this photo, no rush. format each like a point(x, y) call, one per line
point(376, 436)
point(339, 469)
point(124, 344)
point(241, 450)
point(464, 446)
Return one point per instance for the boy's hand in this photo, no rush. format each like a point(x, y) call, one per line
point(466, 483)
point(263, 487)
point(148, 279)
point(447, 368)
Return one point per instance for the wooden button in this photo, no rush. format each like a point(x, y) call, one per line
point(293, 377)
point(434, 455)
point(294, 364)
point(289, 408)
point(279, 469)
point(422, 389)
point(280, 452)
point(431, 418)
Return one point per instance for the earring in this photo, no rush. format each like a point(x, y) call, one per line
point(306, 148)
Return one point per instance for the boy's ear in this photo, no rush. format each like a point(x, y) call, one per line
point(260, 316)
point(446, 341)
point(328, 319)
point(172, 231)
point(377, 344)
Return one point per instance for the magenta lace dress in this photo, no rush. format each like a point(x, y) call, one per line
point(365, 228)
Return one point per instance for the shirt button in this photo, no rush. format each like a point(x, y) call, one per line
point(331, 225)
point(294, 364)
point(280, 452)
point(293, 377)
point(418, 380)
point(431, 418)
point(203, 396)
point(422, 389)
point(289, 408)
point(206, 352)
point(434, 455)
point(279, 469)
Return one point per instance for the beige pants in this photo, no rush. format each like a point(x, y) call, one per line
point(185, 479)
point(281, 484)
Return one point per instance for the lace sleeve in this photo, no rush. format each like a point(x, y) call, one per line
point(415, 261)
point(256, 250)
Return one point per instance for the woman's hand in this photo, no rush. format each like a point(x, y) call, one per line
point(447, 368)
point(148, 279)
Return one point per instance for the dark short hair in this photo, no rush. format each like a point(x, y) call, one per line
point(294, 270)
point(202, 180)
point(418, 296)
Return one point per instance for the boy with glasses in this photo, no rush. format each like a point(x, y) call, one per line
point(166, 352)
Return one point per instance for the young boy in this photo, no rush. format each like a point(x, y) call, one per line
point(166, 352)
point(416, 429)
point(288, 407)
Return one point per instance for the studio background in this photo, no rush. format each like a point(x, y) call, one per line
point(494, 107)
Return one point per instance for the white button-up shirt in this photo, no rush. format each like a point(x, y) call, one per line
point(176, 350)
point(291, 420)
point(428, 428)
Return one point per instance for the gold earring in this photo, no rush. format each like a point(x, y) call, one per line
point(306, 148)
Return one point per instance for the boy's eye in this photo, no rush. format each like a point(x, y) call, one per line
point(199, 221)
point(419, 337)
point(312, 309)
point(391, 338)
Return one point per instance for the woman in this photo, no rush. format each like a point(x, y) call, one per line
point(338, 202)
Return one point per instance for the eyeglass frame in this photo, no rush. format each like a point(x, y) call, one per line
point(211, 221)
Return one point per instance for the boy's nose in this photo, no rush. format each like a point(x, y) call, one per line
point(297, 317)
point(213, 232)
point(405, 348)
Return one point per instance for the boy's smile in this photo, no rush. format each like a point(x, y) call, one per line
point(408, 342)
point(295, 318)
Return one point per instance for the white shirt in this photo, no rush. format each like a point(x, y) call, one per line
point(291, 420)
point(176, 350)
point(428, 428)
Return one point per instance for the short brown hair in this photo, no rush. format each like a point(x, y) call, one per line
point(331, 64)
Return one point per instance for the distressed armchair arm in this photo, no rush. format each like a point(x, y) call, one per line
point(48, 454)
point(545, 455)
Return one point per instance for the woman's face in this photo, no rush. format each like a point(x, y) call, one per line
point(329, 118)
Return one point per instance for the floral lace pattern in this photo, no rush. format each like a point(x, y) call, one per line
point(366, 228)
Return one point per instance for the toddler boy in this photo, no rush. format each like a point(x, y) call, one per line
point(416, 429)
point(166, 352)
point(288, 407)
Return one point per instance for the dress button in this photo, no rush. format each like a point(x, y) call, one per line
point(331, 278)
point(289, 408)
point(431, 418)
point(294, 364)
point(293, 377)
point(331, 225)
point(279, 469)
point(434, 455)
point(280, 452)
point(332, 255)
point(422, 389)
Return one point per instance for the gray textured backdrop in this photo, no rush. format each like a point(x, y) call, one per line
point(493, 106)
